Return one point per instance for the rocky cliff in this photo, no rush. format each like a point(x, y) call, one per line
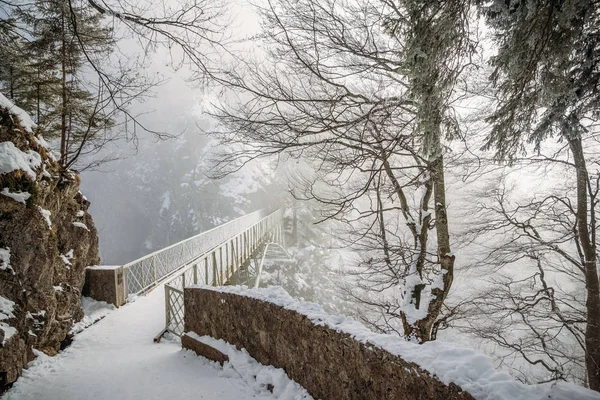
point(47, 239)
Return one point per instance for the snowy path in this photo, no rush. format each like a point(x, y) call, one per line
point(116, 359)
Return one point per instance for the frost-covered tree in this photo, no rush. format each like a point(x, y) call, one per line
point(361, 90)
point(548, 80)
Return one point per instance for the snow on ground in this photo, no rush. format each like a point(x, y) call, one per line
point(20, 197)
point(24, 118)
point(6, 312)
point(93, 311)
point(81, 225)
point(473, 371)
point(12, 159)
point(117, 359)
point(5, 259)
point(255, 374)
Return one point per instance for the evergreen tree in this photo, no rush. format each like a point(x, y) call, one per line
point(75, 35)
point(548, 78)
point(47, 73)
point(13, 66)
point(50, 49)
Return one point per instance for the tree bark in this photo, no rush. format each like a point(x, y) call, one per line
point(63, 111)
point(445, 256)
point(592, 332)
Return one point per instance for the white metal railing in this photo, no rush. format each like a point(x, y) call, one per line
point(216, 266)
point(145, 273)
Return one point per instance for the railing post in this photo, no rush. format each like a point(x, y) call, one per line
point(195, 274)
point(245, 246)
point(154, 268)
point(238, 253)
point(234, 263)
point(214, 262)
point(167, 307)
point(221, 264)
point(226, 257)
point(206, 270)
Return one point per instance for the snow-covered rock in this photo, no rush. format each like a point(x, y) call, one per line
point(38, 206)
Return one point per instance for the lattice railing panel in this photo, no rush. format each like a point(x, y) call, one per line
point(146, 272)
point(174, 302)
point(218, 265)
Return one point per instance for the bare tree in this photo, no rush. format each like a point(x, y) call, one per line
point(362, 90)
point(532, 303)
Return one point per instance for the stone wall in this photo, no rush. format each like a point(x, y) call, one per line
point(105, 283)
point(329, 364)
point(47, 239)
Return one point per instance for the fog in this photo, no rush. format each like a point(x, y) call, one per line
point(161, 191)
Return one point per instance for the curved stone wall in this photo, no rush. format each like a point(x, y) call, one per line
point(329, 364)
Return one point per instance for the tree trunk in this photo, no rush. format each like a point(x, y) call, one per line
point(592, 332)
point(63, 111)
point(445, 256)
point(12, 82)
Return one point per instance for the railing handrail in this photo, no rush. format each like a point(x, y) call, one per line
point(177, 273)
point(154, 253)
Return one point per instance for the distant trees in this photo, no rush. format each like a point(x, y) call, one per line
point(362, 91)
point(59, 63)
point(533, 304)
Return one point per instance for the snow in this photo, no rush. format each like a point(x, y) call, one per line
point(81, 225)
point(473, 371)
point(166, 201)
point(58, 288)
point(79, 214)
point(13, 159)
point(6, 312)
point(93, 311)
point(24, 118)
point(104, 267)
point(256, 375)
point(65, 259)
point(5, 259)
point(117, 359)
point(42, 142)
point(20, 197)
point(412, 313)
point(46, 214)
point(45, 173)
point(6, 308)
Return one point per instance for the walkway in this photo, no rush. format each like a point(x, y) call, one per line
point(117, 359)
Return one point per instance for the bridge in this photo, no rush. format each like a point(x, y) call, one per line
point(231, 253)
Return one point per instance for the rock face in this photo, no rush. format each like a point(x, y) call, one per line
point(329, 364)
point(47, 239)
